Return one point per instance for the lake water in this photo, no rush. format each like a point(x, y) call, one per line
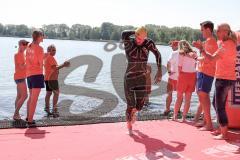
point(67, 49)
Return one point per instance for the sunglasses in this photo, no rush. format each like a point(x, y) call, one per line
point(24, 43)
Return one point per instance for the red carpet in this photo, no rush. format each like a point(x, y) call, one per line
point(152, 140)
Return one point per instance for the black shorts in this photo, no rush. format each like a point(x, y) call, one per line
point(52, 85)
point(35, 81)
point(135, 90)
point(17, 81)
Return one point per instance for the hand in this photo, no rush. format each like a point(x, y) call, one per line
point(193, 55)
point(158, 77)
point(66, 63)
point(197, 44)
point(200, 59)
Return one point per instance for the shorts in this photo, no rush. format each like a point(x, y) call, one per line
point(171, 85)
point(135, 90)
point(20, 80)
point(52, 85)
point(186, 82)
point(204, 82)
point(35, 81)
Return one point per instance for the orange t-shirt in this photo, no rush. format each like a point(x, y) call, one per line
point(226, 63)
point(34, 60)
point(208, 66)
point(20, 66)
point(50, 72)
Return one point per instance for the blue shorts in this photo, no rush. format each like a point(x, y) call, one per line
point(204, 82)
point(20, 80)
point(35, 81)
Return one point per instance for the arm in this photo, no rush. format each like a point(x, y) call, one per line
point(126, 35)
point(213, 56)
point(65, 64)
point(169, 67)
point(152, 47)
point(180, 63)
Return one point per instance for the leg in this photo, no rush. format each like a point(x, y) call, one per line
point(16, 114)
point(47, 101)
point(21, 97)
point(198, 113)
point(170, 87)
point(33, 103)
point(177, 104)
point(188, 96)
point(130, 99)
point(222, 87)
point(168, 102)
point(55, 101)
point(206, 109)
point(28, 102)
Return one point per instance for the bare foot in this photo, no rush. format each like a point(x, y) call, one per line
point(199, 124)
point(220, 137)
point(205, 128)
point(129, 126)
point(134, 116)
point(216, 132)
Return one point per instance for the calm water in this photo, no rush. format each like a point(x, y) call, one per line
point(67, 49)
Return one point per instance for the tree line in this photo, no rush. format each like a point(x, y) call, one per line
point(107, 31)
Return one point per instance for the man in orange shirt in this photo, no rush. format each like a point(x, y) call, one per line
point(205, 75)
point(51, 79)
point(34, 73)
point(20, 78)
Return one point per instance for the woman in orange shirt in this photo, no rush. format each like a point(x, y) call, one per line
point(225, 74)
point(34, 72)
point(51, 80)
point(19, 77)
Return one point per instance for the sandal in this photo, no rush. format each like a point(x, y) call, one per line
point(166, 112)
point(47, 110)
point(16, 118)
point(55, 113)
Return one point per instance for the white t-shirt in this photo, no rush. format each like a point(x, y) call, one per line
point(188, 64)
point(173, 60)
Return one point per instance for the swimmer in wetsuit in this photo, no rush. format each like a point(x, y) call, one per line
point(137, 47)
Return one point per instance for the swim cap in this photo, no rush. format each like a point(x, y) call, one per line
point(141, 31)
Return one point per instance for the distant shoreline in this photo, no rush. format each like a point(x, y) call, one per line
point(90, 40)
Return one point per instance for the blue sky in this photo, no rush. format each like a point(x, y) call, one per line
point(122, 12)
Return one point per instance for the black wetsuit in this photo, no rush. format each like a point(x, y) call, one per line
point(135, 76)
